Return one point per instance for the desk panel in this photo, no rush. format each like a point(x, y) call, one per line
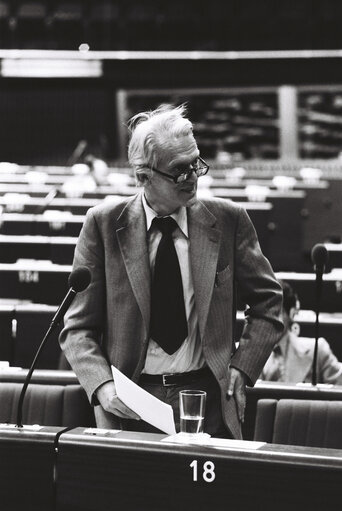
point(140, 472)
point(37, 282)
point(43, 225)
point(57, 249)
point(27, 463)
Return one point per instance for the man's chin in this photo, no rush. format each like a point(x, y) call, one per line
point(192, 200)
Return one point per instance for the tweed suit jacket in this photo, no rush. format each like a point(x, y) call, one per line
point(108, 323)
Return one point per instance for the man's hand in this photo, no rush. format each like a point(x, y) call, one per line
point(107, 396)
point(237, 387)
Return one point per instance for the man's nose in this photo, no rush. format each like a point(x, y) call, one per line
point(193, 177)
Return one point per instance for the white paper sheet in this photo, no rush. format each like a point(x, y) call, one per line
point(205, 439)
point(226, 443)
point(148, 407)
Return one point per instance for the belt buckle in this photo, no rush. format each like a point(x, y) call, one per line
point(165, 384)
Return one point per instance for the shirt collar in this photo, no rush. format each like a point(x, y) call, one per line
point(180, 216)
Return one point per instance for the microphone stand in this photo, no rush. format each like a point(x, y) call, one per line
point(55, 321)
point(319, 274)
point(28, 377)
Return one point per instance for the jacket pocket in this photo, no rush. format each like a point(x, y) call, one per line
point(222, 276)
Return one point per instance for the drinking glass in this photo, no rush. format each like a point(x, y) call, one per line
point(192, 409)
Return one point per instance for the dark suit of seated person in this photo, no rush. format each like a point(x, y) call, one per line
point(292, 358)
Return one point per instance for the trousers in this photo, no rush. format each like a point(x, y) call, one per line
point(213, 421)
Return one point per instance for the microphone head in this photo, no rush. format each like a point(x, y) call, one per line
point(319, 255)
point(79, 279)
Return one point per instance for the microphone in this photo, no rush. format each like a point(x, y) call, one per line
point(39, 210)
point(319, 257)
point(79, 280)
point(53, 193)
point(77, 152)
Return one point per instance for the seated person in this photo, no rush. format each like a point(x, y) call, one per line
point(292, 357)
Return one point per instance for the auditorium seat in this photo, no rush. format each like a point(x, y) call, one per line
point(32, 322)
point(6, 333)
point(310, 423)
point(63, 364)
point(46, 405)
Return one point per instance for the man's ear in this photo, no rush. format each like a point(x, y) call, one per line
point(292, 313)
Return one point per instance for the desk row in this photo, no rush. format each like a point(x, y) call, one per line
point(22, 328)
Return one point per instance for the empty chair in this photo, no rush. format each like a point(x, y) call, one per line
point(47, 405)
point(6, 333)
point(311, 423)
point(31, 326)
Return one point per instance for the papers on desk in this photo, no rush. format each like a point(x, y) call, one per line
point(207, 441)
point(101, 431)
point(148, 407)
point(227, 443)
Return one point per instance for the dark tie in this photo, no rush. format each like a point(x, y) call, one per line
point(169, 326)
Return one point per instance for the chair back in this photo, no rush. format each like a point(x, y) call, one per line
point(311, 423)
point(47, 405)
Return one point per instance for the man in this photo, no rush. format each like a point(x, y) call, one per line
point(162, 295)
point(292, 358)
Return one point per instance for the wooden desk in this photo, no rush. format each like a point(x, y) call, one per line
point(27, 464)
point(75, 206)
point(70, 225)
point(44, 225)
point(304, 285)
point(43, 376)
point(133, 472)
point(57, 249)
point(37, 281)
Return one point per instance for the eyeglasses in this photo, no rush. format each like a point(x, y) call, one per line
point(199, 166)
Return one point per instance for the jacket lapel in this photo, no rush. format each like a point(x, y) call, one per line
point(204, 249)
point(133, 245)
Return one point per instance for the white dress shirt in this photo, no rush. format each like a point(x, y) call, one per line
point(189, 356)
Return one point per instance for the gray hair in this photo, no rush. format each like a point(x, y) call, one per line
point(151, 132)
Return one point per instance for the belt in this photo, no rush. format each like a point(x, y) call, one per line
point(170, 379)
